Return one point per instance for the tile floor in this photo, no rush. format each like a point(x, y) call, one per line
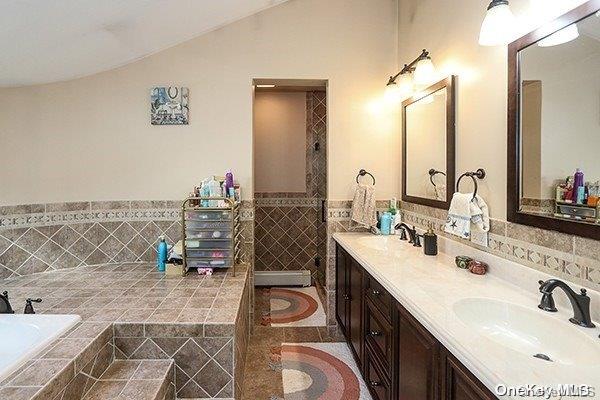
point(262, 382)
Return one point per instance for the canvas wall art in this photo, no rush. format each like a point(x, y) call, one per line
point(169, 105)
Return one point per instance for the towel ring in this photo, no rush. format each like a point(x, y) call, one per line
point(363, 172)
point(432, 173)
point(480, 173)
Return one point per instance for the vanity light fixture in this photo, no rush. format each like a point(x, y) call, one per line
point(498, 27)
point(565, 35)
point(265, 86)
point(402, 84)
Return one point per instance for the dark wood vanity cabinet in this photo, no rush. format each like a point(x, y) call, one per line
point(458, 383)
point(418, 359)
point(398, 357)
point(349, 300)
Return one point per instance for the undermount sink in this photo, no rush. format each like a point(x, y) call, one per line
point(379, 243)
point(528, 331)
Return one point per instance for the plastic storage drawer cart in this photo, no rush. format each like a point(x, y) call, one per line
point(211, 235)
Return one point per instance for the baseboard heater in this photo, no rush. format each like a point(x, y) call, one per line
point(282, 278)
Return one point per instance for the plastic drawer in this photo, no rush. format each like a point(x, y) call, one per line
point(208, 215)
point(209, 264)
point(217, 225)
point(207, 235)
point(208, 253)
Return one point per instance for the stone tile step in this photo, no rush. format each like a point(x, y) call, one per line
point(135, 380)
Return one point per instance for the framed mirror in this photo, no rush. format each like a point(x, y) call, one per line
point(428, 137)
point(554, 125)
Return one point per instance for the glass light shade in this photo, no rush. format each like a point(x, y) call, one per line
point(405, 85)
point(392, 92)
point(498, 27)
point(424, 72)
point(565, 35)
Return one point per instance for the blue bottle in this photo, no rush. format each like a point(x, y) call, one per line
point(386, 223)
point(162, 254)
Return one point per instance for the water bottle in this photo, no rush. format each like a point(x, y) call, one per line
point(162, 254)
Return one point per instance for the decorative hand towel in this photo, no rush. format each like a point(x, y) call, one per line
point(363, 206)
point(467, 215)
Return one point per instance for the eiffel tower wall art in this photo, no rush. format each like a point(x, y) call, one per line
point(169, 105)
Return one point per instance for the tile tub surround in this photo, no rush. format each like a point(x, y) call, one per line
point(46, 237)
point(200, 322)
point(428, 287)
point(567, 257)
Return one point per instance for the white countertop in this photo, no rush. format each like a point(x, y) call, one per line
point(428, 287)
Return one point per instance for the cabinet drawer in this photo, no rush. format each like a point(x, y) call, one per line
point(380, 297)
point(376, 380)
point(378, 334)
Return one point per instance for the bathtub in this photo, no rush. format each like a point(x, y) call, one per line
point(22, 336)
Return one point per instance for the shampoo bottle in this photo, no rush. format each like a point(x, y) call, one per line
point(162, 254)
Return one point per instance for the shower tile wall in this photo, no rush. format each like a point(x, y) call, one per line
point(289, 232)
point(285, 229)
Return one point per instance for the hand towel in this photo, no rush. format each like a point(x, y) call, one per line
point(363, 206)
point(467, 214)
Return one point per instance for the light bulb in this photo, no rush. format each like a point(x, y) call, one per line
point(498, 27)
point(392, 92)
point(405, 86)
point(424, 72)
point(565, 35)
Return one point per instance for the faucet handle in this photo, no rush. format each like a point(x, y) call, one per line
point(583, 292)
point(402, 233)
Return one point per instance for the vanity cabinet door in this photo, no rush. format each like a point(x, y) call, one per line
point(355, 312)
point(460, 384)
point(341, 288)
point(418, 360)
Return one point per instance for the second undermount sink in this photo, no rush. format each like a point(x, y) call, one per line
point(528, 331)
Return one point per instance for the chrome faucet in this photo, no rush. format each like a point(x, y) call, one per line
point(580, 302)
point(5, 307)
point(412, 233)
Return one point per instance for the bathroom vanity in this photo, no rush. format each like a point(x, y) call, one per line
point(420, 328)
point(399, 357)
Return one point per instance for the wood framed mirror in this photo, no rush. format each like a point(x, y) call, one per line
point(428, 145)
point(554, 125)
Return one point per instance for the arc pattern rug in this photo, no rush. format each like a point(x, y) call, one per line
point(321, 371)
point(296, 307)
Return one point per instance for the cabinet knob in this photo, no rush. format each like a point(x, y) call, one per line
point(375, 333)
point(375, 383)
point(375, 292)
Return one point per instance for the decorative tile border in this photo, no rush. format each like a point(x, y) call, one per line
point(74, 217)
point(287, 202)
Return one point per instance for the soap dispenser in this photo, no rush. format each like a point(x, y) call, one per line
point(430, 246)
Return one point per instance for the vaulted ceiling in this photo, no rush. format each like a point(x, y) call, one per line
point(44, 41)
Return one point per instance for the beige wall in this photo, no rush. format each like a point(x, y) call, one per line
point(91, 138)
point(450, 30)
point(280, 142)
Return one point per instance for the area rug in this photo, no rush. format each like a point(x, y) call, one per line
point(296, 307)
point(323, 371)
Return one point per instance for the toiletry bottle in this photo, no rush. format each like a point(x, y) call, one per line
point(386, 223)
point(162, 254)
point(578, 183)
point(430, 246)
point(228, 183)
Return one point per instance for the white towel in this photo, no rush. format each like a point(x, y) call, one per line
point(467, 216)
point(363, 206)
